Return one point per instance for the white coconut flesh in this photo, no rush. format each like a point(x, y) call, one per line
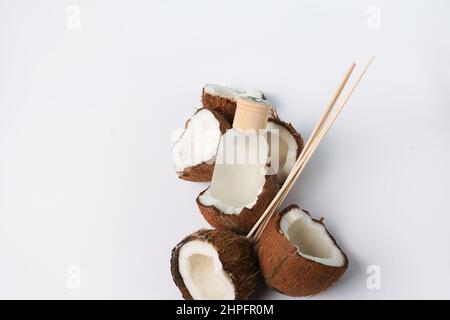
point(239, 173)
point(229, 93)
point(311, 238)
point(202, 272)
point(199, 141)
point(286, 151)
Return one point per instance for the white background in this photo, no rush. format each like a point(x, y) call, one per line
point(86, 117)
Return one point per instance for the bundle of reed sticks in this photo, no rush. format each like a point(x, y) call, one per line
point(321, 129)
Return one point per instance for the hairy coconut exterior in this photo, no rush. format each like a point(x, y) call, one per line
point(288, 272)
point(199, 173)
point(203, 172)
point(236, 255)
point(243, 222)
point(224, 106)
point(298, 138)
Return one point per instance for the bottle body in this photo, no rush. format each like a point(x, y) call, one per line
point(240, 169)
point(241, 161)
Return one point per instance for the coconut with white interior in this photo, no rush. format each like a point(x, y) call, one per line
point(214, 265)
point(195, 150)
point(290, 145)
point(223, 99)
point(298, 256)
point(241, 189)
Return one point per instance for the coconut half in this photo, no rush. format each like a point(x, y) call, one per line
point(214, 265)
point(290, 145)
point(239, 191)
point(223, 99)
point(195, 151)
point(298, 256)
point(243, 221)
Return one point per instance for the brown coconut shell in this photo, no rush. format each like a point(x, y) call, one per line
point(199, 173)
point(288, 272)
point(224, 106)
point(298, 138)
point(203, 172)
point(243, 222)
point(236, 255)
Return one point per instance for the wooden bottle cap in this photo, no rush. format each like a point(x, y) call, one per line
point(251, 113)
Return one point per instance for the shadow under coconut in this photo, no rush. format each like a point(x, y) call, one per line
point(262, 291)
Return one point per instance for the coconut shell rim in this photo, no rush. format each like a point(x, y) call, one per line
point(297, 136)
point(294, 206)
